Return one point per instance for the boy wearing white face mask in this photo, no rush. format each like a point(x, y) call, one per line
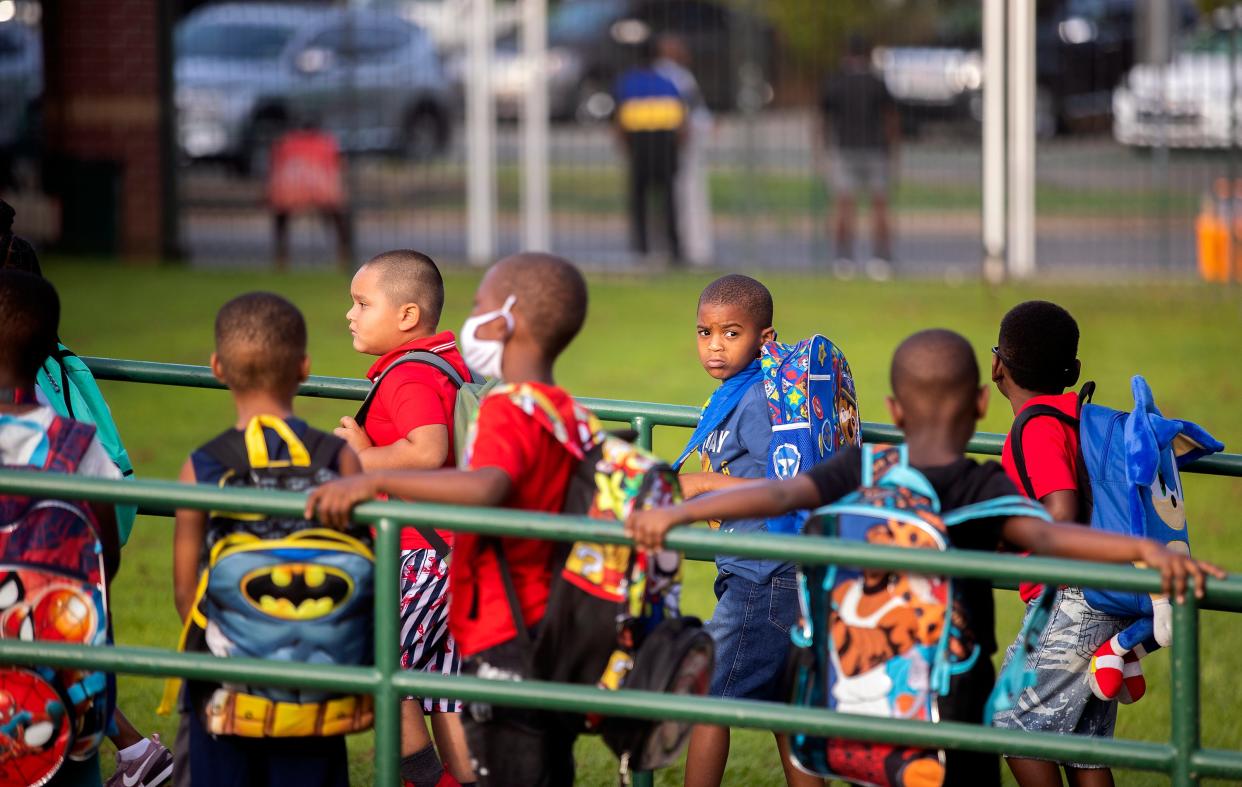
point(526, 311)
point(406, 423)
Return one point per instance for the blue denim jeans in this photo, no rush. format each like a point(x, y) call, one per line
point(751, 630)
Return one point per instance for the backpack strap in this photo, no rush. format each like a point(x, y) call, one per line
point(414, 356)
point(1004, 506)
point(515, 606)
point(68, 442)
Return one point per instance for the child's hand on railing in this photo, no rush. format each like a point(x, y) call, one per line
point(1175, 567)
point(648, 527)
point(332, 502)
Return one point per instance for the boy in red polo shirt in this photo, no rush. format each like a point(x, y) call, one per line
point(1035, 360)
point(407, 424)
point(526, 311)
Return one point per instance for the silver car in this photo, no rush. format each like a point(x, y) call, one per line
point(247, 72)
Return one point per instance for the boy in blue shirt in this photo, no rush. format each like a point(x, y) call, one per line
point(757, 600)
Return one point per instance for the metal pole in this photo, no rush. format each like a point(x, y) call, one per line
point(750, 99)
point(387, 664)
point(535, 200)
point(1185, 669)
point(480, 138)
point(1231, 248)
point(993, 140)
point(1021, 191)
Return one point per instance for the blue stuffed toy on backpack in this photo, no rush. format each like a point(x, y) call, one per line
point(1132, 461)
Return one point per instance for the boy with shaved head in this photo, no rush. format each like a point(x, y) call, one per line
point(526, 311)
point(407, 424)
point(936, 400)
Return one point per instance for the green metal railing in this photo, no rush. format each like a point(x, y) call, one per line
point(1183, 758)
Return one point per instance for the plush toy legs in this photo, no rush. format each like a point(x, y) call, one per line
point(1115, 670)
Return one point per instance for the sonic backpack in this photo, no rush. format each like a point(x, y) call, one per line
point(70, 389)
point(52, 588)
point(280, 589)
point(613, 616)
point(1129, 483)
point(881, 642)
point(813, 407)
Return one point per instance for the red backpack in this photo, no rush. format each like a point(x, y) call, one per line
point(52, 588)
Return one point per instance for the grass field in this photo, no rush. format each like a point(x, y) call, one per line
point(639, 344)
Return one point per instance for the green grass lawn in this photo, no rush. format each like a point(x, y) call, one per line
point(639, 344)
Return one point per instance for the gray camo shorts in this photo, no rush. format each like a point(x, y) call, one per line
point(1061, 699)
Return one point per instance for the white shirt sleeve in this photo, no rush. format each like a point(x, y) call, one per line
point(97, 463)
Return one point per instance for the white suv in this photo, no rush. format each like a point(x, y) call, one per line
point(247, 72)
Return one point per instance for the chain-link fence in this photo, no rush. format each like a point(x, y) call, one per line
point(806, 125)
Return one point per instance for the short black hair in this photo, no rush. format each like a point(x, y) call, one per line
point(551, 292)
point(744, 292)
point(1038, 345)
point(261, 343)
point(408, 276)
point(29, 320)
point(934, 375)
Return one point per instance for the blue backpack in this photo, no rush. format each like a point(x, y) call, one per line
point(72, 392)
point(813, 408)
point(52, 588)
point(881, 642)
point(280, 589)
point(1128, 483)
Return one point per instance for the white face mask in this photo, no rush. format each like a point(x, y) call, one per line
point(483, 355)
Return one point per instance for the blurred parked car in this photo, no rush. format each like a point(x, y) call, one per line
point(247, 72)
point(591, 42)
point(445, 20)
point(1184, 104)
point(1082, 50)
point(21, 85)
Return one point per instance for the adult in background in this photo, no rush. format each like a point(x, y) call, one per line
point(305, 177)
point(651, 123)
point(690, 187)
point(860, 131)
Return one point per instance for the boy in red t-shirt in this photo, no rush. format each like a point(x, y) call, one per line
point(526, 311)
point(1035, 360)
point(407, 424)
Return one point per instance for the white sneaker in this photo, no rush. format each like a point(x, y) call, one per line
point(879, 269)
point(844, 268)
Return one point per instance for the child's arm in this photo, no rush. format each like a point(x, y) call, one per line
point(742, 501)
point(1061, 505)
point(189, 533)
point(347, 462)
point(695, 484)
point(109, 537)
point(332, 502)
point(1083, 543)
point(424, 448)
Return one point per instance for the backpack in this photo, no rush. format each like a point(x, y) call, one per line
point(1128, 483)
point(72, 392)
point(813, 408)
point(883, 642)
point(284, 590)
point(613, 615)
point(469, 394)
point(52, 588)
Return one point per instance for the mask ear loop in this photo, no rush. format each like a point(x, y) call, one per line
point(506, 311)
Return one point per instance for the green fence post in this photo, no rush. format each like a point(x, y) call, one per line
point(387, 704)
point(643, 425)
point(1185, 669)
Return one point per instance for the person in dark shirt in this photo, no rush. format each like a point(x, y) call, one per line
point(936, 401)
point(651, 124)
point(860, 131)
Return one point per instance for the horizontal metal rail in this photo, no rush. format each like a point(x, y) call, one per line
point(1183, 759)
point(643, 416)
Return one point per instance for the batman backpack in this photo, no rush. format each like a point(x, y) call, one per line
point(613, 615)
point(281, 589)
point(52, 588)
point(813, 408)
point(1128, 483)
point(881, 642)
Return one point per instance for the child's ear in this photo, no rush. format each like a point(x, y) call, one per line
point(896, 412)
point(1074, 374)
point(411, 317)
point(768, 334)
point(217, 368)
point(304, 369)
point(998, 369)
point(981, 402)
